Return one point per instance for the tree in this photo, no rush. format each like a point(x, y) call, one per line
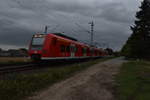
point(110, 51)
point(138, 44)
point(23, 52)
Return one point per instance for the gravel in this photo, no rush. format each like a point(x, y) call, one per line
point(94, 83)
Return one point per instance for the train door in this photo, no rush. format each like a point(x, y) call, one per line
point(72, 47)
point(84, 52)
point(92, 52)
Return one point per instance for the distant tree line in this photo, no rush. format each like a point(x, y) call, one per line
point(138, 44)
point(22, 52)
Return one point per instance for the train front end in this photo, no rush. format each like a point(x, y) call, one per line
point(36, 46)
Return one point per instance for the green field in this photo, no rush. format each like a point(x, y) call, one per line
point(12, 60)
point(134, 81)
point(18, 86)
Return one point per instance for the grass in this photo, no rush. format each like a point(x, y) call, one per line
point(134, 81)
point(19, 86)
point(13, 60)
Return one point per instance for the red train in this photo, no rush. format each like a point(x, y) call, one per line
point(57, 46)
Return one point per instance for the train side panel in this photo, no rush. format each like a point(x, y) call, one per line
point(56, 47)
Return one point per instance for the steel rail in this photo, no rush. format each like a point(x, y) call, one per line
point(9, 69)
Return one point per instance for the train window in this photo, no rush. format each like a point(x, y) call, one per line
point(62, 48)
point(38, 41)
point(68, 48)
point(92, 51)
point(73, 49)
point(84, 50)
point(76, 49)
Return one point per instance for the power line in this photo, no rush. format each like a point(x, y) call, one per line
point(55, 27)
point(81, 27)
point(90, 32)
point(46, 28)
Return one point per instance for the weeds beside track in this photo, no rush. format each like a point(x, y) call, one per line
point(18, 86)
point(134, 81)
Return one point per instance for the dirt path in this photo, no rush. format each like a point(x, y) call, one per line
point(95, 83)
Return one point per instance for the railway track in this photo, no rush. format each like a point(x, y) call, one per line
point(17, 68)
point(28, 67)
point(34, 66)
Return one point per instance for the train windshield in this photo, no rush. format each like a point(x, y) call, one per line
point(37, 42)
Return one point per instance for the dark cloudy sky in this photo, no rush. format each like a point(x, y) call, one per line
point(20, 19)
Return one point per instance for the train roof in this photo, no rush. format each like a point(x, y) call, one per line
point(65, 36)
point(71, 38)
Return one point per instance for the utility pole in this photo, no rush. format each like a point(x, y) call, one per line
point(92, 32)
point(45, 31)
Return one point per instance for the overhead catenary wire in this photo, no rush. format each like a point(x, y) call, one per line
point(81, 27)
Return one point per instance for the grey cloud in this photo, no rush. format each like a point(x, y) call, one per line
point(19, 19)
point(43, 6)
point(19, 37)
point(116, 12)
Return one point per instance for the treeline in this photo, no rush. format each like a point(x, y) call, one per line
point(22, 52)
point(138, 44)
